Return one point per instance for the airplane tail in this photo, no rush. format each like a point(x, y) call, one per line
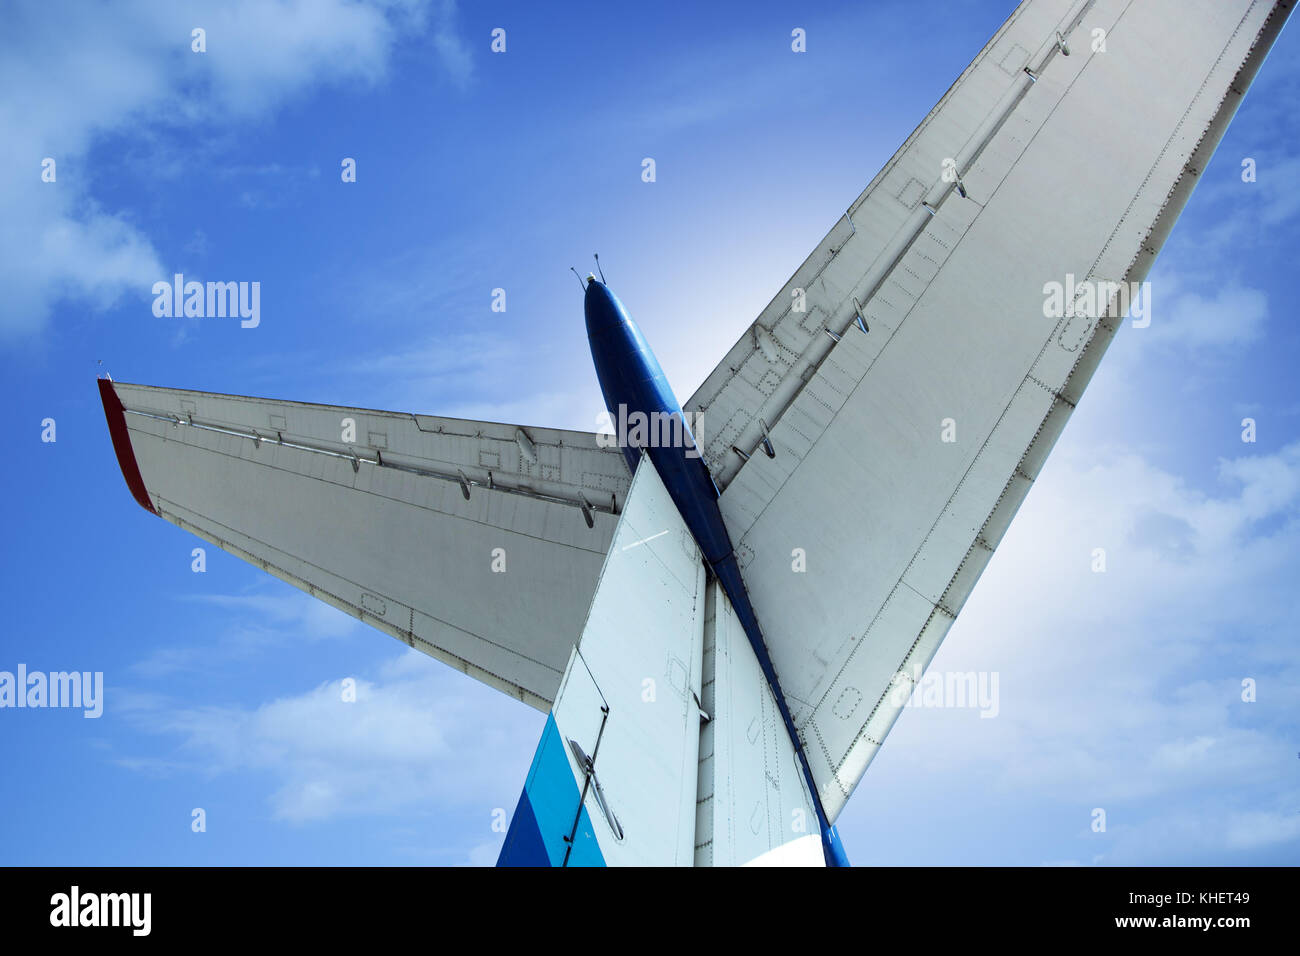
point(664, 745)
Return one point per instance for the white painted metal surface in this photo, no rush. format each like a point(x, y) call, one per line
point(1078, 167)
point(495, 585)
point(752, 801)
point(805, 851)
point(640, 656)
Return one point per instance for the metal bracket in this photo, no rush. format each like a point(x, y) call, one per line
point(767, 440)
point(862, 322)
point(588, 765)
point(704, 714)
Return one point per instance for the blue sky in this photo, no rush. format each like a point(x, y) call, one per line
point(476, 170)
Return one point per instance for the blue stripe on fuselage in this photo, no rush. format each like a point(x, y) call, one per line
point(540, 828)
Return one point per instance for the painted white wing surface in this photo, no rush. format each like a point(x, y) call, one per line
point(909, 378)
point(475, 542)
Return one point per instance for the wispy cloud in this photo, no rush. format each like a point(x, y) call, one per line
point(412, 739)
point(256, 624)
point(1227, 316)
point(105, 70)
point(1123, 689)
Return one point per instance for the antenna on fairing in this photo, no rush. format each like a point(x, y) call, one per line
point(580, 282)
point(599, 269)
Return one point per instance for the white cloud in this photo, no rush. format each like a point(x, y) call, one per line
point(307, 617)
point(1250, 830)
point(1121, 690)
point(92, 256)
point(1230, 315)
point(262, 622)
point(102, 69)
point(413, 741)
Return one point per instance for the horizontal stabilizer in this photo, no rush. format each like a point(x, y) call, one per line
point(476, 543)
